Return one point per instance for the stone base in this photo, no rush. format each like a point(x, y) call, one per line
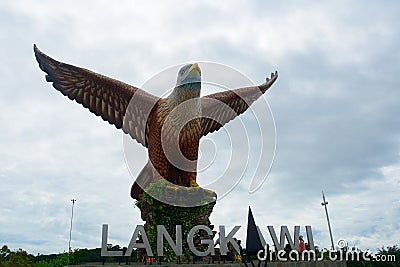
point(174, 210)
point(202, 217)
point(177, 197)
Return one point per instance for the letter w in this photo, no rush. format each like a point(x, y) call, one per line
point(285, 236)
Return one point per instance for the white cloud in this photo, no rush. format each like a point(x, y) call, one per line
point(335, 107)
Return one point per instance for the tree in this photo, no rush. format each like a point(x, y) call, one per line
point(19, 258)
point(4, 253)
point(390, 254)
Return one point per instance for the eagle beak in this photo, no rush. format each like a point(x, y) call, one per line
point(192, 75)
point(194, 71)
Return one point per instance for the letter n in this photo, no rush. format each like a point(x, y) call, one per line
point(161, 233)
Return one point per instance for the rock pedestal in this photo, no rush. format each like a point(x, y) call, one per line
point(171, 205)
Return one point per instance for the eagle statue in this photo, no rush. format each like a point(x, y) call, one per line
point(170, 128)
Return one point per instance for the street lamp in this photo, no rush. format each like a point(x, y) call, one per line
point(325, 204)
point(70, 229)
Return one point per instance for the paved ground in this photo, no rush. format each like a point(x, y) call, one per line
point(270, 264)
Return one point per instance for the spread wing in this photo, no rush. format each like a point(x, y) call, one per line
point(219, 108)
point(108, 98)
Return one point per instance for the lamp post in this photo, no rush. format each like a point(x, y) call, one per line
point(70, 229)
point(325, 204)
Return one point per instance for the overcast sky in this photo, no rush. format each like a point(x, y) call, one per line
point(336, 108)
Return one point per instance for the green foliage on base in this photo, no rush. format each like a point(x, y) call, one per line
point(169, 216)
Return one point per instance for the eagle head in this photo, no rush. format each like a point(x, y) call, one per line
point(189, 76)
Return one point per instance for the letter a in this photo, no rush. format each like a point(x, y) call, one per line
point(133, 244)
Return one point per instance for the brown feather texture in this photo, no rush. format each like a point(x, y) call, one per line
point(170, 128)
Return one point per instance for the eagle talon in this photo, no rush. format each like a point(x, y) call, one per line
point(193, 183)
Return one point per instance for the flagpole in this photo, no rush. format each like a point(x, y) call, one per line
point(70, 229)
point(325, 204)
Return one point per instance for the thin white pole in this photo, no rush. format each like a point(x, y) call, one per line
point(70, 229)
point(325, 204)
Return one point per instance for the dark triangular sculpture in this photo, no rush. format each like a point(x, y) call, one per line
point(253, 241)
